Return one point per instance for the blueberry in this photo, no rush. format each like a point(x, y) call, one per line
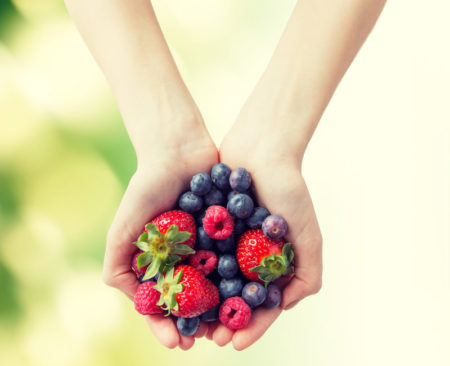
point(227, 266)
point(214, 277)
point(211, 314)
point(204, 241)
point(240, 227)
point(220, 174)
point(240, 206)
point(225, 245)
point(198, 216)
point(273, 297)
point(256, 219)
point(230, 288)
point(214, 197)
point(201, 184)
point(240, 180)
point(274, 227)
point(190, 202)
point(188, 326)
point(254, 294)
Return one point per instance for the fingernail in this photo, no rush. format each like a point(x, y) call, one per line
point(291, 305)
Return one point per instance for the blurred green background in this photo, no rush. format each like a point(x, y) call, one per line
point(378, 169)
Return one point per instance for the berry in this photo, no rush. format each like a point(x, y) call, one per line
point(146, 298)
point(231, 194)
point(218, 223)
point(240, 227)
point(214, 197)
point(262, 259)
point(188, 326)
point(228, 266)
point(256, 219)
point(168, 238)
point(134, 266)
point(240, 206)
point(204, 260)
point(227, 245)
point(201, 184)
point(220, 175)
point(204, 241)
point(240, 180)
point(198, 216)
point(190, 202)
point(254, 294)
point(231, 287)
point(234, 313)
point(210, 315)
point(185, 292)
point(274, 227)
point(273, 297)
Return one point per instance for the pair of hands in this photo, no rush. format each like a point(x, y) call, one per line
point(156, 186)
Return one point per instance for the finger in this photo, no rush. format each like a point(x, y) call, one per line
point(222, 335)
point(202, 330)
point(259, 322)
point(164, 330)
point(307, 278)
point(186, 342)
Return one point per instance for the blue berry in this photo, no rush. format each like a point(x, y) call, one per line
point(225, 245)
point(227, 266)
point(230, 288)
point(204, 241)
point(214, 197)
point(190, 202)
point(220, 175)
point(273, 297)
point(254, 294)
point(188, 326)
point(256, 219)
point(274, 227)
point(198, 216)
point(211, 314)
point(240, 206)
point(240, 180)
point(240, 227)
point(201, 184)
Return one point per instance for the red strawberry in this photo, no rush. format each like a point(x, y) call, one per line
point(134, 266)
point(167, 239)
point(262, 259)
point(185, 292)
point(146, 298)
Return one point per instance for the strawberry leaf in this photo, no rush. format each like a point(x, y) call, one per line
point(142, 245)
point(174, 236)
point(170, 262)
point(152, 269)
point(143, 259)
point(143, 237)
point(288, 252)
point(182, 249)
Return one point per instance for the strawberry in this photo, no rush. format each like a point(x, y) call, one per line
point(146, 298)
point(185, 292)
point(167, 239)
point(262, 259)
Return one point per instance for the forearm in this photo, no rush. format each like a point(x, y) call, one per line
point(126, 41)
point(319, 43)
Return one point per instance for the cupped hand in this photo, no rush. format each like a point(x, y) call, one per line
point(153, 189)
point(280, 187)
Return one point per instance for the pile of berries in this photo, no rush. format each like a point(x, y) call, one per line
point(213, 258)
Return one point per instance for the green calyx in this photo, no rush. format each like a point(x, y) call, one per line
point(169, 286)
point(274, 266)
point(161, 251)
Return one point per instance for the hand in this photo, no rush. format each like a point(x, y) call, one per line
point(153, 189)
point(280, 187)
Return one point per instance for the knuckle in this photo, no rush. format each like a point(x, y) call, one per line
point(108, 279)
point(315, 286)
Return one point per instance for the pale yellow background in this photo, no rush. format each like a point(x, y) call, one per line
point(378, 168)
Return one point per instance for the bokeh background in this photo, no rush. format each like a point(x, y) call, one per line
point(377, 168)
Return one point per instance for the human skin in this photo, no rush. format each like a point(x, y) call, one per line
point(274, 127)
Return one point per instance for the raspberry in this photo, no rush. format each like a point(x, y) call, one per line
point(234, 313)
point(146, 298)
point(204, 260)
point(218, 223)
point(139, 271)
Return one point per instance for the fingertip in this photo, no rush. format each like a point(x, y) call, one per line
point(186, 342)
point(222, 335)
point(164, 329)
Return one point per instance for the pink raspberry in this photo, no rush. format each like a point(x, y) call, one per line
point(218, 222)
point(146, 298)
point(139, 271)
point(234, 313)
point(204, 260)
